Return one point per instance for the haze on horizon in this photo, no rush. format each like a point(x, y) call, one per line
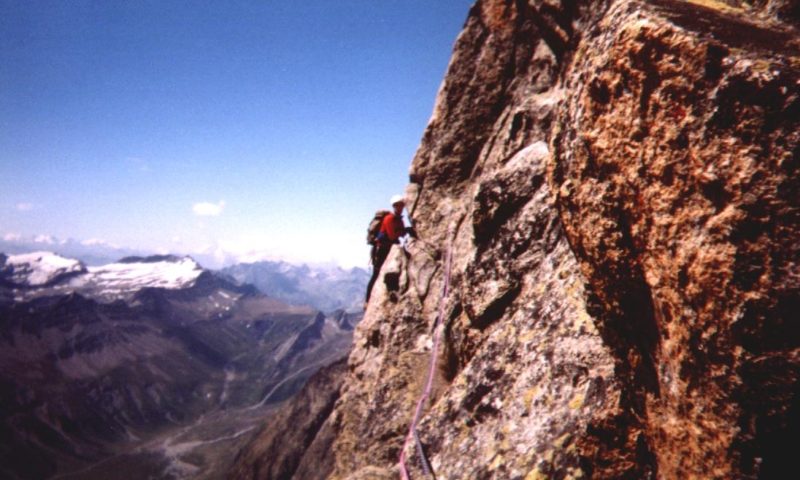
point(240, 130)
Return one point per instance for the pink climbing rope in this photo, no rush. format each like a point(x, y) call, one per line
point(412, 430)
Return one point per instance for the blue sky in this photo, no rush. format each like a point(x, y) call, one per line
point(245, 130)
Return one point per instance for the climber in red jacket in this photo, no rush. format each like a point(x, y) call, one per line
point(392, 229)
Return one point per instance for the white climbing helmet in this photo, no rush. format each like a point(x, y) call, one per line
point(397, 199)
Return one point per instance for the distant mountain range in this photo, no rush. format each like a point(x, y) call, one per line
point(326, 288)
point(112, 366)
point(89, 252)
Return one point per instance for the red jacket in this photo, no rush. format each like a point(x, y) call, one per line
point(393, 227)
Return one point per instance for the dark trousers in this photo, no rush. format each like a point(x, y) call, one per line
point(379, 254)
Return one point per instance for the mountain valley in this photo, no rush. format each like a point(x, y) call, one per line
point(150, 361)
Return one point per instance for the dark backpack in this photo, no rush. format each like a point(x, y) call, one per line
point(375, 226)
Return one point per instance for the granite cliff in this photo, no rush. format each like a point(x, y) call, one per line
point(617, 183)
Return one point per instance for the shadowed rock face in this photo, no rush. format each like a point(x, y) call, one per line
point(293, 443)
point(618, 185)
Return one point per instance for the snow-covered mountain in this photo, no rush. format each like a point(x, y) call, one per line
point(38, 269)
point(41, 274)
point(325, 287)
point(97, 360)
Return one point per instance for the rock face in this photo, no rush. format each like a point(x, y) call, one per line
point(617, 184)
point(676, 167)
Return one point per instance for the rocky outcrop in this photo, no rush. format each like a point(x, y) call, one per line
point(617, 184)
point(676, 166)
point(785, 10)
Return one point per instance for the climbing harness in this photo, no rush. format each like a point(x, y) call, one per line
point(412, 430)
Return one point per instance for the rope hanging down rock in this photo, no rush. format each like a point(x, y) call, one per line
point(412, 430)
